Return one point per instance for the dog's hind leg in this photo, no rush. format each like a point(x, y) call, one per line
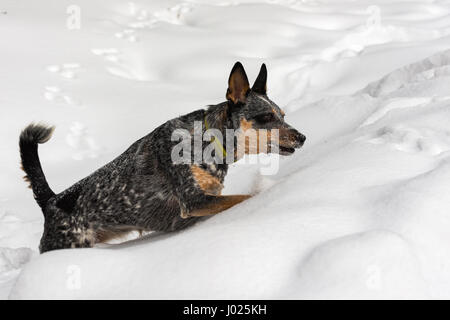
point(63, 230)
point(64, 236)
point(216, 205)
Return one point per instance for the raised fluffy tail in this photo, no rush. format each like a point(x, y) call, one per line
point(29, 139)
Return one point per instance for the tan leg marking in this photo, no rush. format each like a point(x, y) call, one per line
point(207, 182)
point(220, 204)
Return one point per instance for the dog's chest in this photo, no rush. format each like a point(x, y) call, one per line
point(209, 177)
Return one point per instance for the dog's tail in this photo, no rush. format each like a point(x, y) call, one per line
point(29, 139)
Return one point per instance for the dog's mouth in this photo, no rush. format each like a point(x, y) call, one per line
point(286, 151)
point(282, 150)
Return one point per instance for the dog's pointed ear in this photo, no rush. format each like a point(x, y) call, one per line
point(238, 85)
point(260, 85)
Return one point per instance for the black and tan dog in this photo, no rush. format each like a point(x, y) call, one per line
point(143, 189)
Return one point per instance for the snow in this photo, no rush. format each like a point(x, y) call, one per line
point(11, 261)
point(360, 212)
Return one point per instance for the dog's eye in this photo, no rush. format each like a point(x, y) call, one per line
point(263, 118)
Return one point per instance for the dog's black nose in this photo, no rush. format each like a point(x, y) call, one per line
point(299, 138)
point(302, 138)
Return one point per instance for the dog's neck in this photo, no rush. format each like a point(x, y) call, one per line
point(217, 118)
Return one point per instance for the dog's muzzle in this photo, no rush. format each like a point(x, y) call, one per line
point(290, 141)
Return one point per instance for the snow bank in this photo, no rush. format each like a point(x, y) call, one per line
point(378, 264)
point(11, 262)
point(358, 213)
point(11, 259)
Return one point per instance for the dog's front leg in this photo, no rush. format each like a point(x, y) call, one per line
point(195, 189)
point(215, 205)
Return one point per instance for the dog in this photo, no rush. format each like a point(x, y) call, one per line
point(142, 189)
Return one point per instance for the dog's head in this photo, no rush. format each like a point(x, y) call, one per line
point(249, 109)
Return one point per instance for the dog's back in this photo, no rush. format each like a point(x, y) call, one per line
point(129, 193)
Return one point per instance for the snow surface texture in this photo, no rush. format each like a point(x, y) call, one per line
point(360, 212)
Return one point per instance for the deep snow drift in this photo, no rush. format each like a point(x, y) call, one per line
point(359, 212)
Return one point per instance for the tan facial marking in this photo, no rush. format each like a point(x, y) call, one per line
point(246, 125)
point(207, 182)
point(251, 147)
